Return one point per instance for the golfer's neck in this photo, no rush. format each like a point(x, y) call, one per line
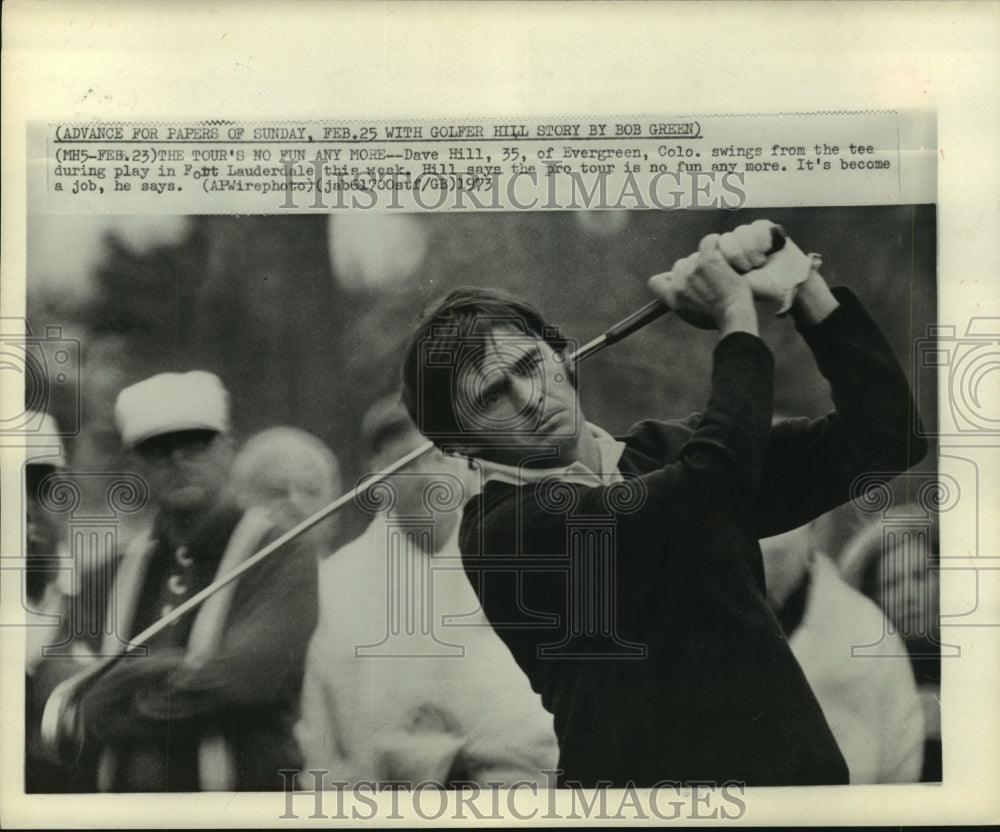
point(587, 451)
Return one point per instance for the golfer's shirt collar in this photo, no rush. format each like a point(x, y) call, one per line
point(609, 448)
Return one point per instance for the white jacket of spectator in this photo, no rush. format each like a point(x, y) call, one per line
point(406, 680)
point(868, 695)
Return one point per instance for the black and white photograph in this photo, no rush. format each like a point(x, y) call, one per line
point(238, 374)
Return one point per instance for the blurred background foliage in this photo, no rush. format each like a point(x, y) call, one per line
point(304, 316)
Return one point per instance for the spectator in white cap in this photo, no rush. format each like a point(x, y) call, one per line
point(212, 704)
point(178, 427)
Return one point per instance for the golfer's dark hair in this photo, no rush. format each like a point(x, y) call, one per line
point(457, 329)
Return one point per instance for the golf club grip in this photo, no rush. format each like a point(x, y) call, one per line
point(654, 309)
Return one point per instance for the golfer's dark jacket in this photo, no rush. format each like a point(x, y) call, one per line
point(689, 676)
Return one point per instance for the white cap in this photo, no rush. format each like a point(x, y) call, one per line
point(45, 445)
point(171, 402)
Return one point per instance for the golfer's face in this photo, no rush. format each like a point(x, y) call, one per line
point(520, 394)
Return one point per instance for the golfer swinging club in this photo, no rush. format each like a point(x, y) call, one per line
point(700, 684)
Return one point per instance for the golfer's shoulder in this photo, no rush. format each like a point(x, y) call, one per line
point(496, 504)
point(656, 441)
point(494, 519)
